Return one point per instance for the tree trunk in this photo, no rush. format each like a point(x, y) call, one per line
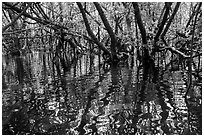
point(139, 22)
point(189, 88)
point(165, 18)
point(147, 61)
point(171, 19)
point(109, 29)
point(127, 18)
point(90, 32)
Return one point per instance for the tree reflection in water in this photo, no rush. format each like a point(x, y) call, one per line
point(79, 96)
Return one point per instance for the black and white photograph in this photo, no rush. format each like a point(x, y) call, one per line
point(101, 68)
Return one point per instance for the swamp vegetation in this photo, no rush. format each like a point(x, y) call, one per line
point(114, 68)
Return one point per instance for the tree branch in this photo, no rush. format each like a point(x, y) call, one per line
point(176, 51)
point(13, 21)
point(94, 19)
point(42, 21)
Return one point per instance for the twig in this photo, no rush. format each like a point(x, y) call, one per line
point(20, 31)
point(173, 49)
point(177, 51)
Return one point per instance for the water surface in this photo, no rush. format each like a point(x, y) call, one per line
point(41, 95)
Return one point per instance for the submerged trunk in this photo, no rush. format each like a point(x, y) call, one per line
point(147, 61)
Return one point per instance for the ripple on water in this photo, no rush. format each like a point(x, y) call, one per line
point(85, 101)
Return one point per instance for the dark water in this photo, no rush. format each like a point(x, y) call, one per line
point(43, 97)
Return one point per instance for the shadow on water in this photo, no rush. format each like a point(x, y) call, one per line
point(45, 94)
